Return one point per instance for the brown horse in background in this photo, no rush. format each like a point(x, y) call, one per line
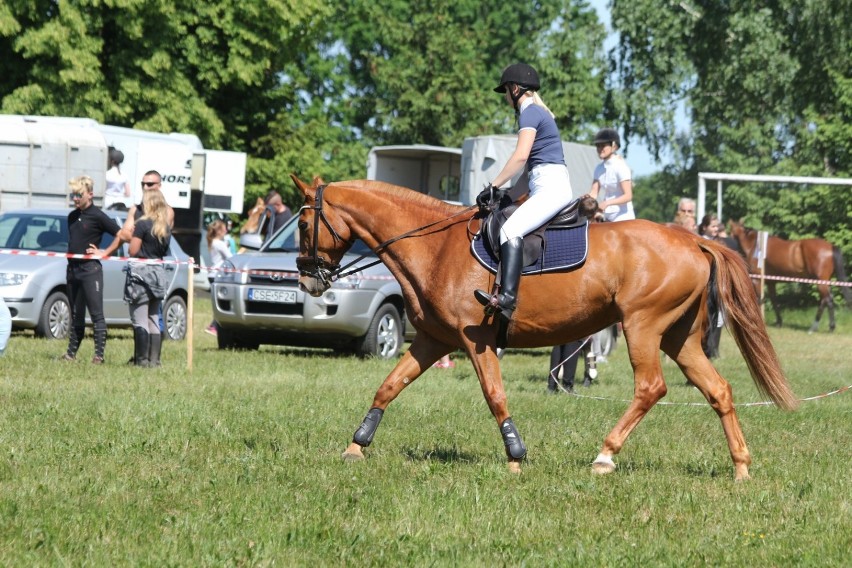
point(806, 258)
point(627, 277)
point(255, 214)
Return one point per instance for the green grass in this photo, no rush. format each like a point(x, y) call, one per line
point(238, 463)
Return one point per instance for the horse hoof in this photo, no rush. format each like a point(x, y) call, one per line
point(741, 474)
point(353, 453)
point(603, 468)
point(514, 466)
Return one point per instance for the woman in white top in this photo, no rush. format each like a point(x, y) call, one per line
point(219, 253)
point(613, 183)
point(117, 187)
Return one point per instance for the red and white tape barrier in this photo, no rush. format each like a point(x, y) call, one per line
point(801, 280)
point(741, 405)
point(191, 262)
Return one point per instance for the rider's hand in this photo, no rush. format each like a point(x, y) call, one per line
point(483, 200)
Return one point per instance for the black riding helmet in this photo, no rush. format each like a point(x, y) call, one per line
point(521, 74)
point(607, 136)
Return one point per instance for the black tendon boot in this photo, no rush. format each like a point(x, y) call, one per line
point(155, 344)
point(100, 343)
point(75, 335)
point(511, 263)
point(141, 343)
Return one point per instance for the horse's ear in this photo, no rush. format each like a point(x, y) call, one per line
point(300, 185)
point(318, 181)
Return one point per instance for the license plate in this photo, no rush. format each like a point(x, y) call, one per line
point(278, 296)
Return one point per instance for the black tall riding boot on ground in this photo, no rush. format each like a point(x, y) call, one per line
point(155, 345)
point(141, 345)
point(511, 263)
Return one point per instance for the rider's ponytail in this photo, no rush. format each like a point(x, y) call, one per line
point(537, 100)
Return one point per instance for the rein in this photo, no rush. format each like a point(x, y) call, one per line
point(328, 272)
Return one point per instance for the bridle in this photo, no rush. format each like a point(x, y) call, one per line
point(317, 267)
point(314, 265)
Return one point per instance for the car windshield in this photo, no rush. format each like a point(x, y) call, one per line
point(287, 240)
point(32, 231)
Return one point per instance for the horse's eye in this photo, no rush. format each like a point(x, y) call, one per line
point(303, 225)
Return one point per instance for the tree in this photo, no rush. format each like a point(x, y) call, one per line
point(210, 68)
point(766, 86)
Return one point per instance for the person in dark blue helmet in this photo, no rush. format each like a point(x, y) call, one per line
point(539, 150)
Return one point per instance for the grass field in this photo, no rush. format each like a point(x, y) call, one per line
point(238, 463)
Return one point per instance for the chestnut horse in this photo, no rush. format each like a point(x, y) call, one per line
point(627, 277)
point(254, 216)
point(806, 258)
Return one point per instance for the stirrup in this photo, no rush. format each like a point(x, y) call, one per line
point(487, 300)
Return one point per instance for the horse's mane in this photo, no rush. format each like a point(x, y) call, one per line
point(416, 199)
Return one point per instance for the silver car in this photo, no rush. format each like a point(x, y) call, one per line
point(34, 287)
point(256, 300)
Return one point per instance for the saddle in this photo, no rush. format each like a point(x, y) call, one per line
point(536, 242)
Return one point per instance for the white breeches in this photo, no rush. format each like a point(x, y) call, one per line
point(550, 192)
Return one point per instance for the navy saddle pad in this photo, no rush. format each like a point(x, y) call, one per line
point(564, 249)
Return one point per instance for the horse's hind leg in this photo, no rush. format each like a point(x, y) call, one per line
point(423, 352)
point(770, 290)
point(718, 393)
point(825, 301)
point(649, 388)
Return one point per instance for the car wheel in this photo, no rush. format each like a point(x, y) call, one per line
point(174, 316)
point(384, 336)
point(55, 319)
point(227, 339)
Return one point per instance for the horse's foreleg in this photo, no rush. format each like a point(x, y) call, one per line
point(649, 387)
point(487, 366)
point(419, 357)
point(718, 393)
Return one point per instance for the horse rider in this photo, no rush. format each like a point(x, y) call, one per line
point(539, 148)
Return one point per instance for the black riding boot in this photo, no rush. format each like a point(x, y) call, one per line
point(154, 347)
point(141, 345)
point(511, 263)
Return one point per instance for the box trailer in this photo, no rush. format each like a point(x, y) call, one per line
point(40, 154)
point(459, 174)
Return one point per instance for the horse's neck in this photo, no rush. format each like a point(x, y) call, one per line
point(381, 217)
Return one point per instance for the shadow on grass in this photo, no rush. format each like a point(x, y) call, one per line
point(442, 455)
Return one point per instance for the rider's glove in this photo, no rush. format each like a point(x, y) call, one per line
point(485, 196)
point(489, 197)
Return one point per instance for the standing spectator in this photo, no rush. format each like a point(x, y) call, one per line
point(85, 278)
point(280, 212)
point(686, 221)
point(117, 192)
point(709, 229)
point(612, 186)
point(229, 238)
point(709, 226)
point(219, 253)
point(566, 356)
point(613, 182)
point(686, 205)
point(5, 326)
point(152, 180)
point(152, 235)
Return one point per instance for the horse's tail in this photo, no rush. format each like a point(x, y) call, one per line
point(840, 273)
point(737, 298)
